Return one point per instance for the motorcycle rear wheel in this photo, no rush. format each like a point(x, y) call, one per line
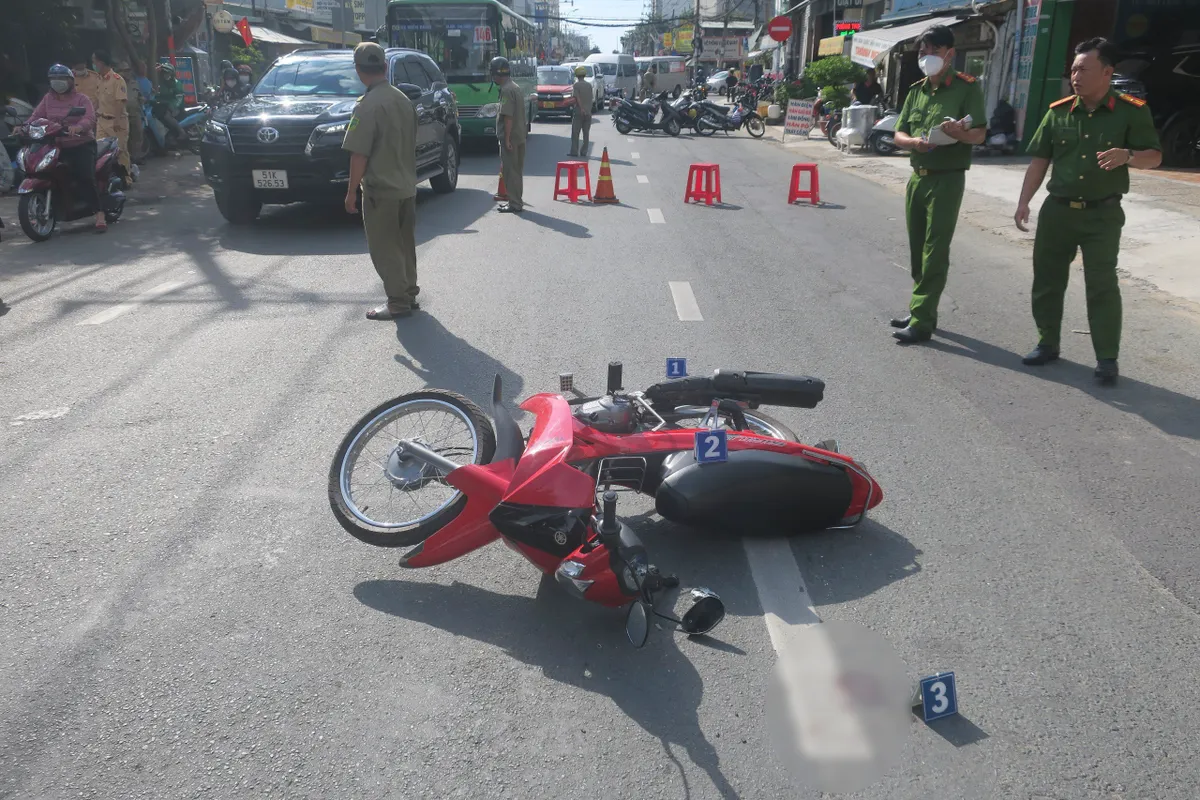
point(671, 127)
point(38, 228)
point(406, 475)
point(755, 127)
point(757, 421)
point(623, 127)
point(704, 127)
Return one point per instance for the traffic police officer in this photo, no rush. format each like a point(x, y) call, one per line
point(1092, 138)
point(584, 99)
point(511, 127)
point(935, 190)
point(382, 140)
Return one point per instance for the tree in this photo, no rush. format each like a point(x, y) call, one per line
point(594, 51)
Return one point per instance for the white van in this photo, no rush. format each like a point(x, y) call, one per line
point(619, 71)
point(594, 78)
point(670, 75)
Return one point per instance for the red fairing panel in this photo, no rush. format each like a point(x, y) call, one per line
point(471, 529)
point(543, 478)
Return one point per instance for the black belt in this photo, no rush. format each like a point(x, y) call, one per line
point(922, 172)
point(1104, 201)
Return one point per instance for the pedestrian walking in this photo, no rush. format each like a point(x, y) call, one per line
point(382, 140)
point(112, 115)
point(583, 99)
point(511, 130)
point(939, 103)
point(1092, 138)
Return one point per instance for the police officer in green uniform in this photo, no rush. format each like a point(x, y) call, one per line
point(935, 190)
point(583, 98)
point(1092, 137)
point(382, 140)
point(511, 127)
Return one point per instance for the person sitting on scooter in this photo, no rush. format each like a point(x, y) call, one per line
point(78, 147)
point(228, 92)
point(244, 77)
point(168, 102)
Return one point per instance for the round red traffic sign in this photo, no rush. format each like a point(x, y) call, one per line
point(780, 28)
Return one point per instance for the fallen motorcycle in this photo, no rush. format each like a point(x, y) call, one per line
point(697, 445)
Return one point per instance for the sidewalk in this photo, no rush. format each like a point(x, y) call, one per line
point(1162, 211)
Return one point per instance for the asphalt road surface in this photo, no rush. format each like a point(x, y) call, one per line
point(182, 617)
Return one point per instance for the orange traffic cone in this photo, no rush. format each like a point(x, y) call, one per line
point(604, 187)
point(501, 192)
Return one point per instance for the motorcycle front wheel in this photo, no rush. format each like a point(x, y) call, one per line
point(623, 126)
point(387, 499)
point(671, 126)
point(755, 127)
point(36, 219)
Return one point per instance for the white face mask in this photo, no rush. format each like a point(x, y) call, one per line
point(931, 65)
point(60, 86)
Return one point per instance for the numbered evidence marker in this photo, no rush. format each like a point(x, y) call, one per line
point(938, 696)
point(712, 446)
point(676, 367)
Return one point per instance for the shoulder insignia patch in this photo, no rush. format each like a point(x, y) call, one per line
point(1068, 99)
point(1133, 101)
point(967, 78)
point(353, 123)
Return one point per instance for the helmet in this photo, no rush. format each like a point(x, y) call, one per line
point(580, 72)
point(167, 69)
point(229, 74)
point(499, 66)
point(244, 69)
point(226, 65)
point(60, 71)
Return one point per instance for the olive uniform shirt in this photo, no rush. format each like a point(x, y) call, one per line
point(926, 107)
point(1071, 136)
point(585, 97)
point(512, 104)
point(384, 129)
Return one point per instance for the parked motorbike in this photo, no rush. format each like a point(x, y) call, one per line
point(688, 108)
point(49, 194)
point(833, 124)
point(16, 114)
point(882, 139)
point(158, 139)
point(1002, 132)
point(653, 115)
point(715, 118)
point(697, 445)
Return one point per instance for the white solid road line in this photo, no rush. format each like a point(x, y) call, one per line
point(824, 731)
point(643, 179)
point(635, 156)
point(630, 139)
point(145, 297)
point(656, 215)
point(685, 302)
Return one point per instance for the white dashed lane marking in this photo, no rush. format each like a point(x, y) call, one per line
point(656, 215)
point(643, 179)
point(108, 315)
point(635, 156)
point(685, 302)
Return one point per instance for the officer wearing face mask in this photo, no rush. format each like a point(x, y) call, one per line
point(228, 92)
point(938, 105)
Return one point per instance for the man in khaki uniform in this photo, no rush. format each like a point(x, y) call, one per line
point(112, 97)
point(86, 81)
point(649, 80)
point(510, 128)
point(382, 140)
point(133, 109)
point(583, 99)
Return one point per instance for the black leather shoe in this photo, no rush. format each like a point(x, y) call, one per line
point(1106, 371)
point(912, 335)
point(1040, 355)
point(901, 322)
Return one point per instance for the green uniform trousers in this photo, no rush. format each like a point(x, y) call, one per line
point(391, 227)
point(580, 123)
point(512, 166)
point(1061, 232)
point(931, 204)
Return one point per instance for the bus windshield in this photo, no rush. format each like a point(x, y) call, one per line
point(462, 39)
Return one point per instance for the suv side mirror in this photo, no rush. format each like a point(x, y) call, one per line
point(413, 91)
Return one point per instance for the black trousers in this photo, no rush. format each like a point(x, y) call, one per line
point(82, 161)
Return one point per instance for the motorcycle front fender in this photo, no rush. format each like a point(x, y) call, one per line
point(484, 486)
point(33, 185)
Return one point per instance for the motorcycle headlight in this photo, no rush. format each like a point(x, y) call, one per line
point(489, 110)
point(568, 574)
point(216, 133)
point(37, 132)
point(323, 131)
point(47, 159)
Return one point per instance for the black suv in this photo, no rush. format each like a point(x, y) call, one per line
point(283, 142)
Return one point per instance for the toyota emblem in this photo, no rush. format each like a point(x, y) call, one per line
point(267, 135)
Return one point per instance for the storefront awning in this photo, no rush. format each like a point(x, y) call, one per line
point(330, 36)
point(871, 47)
point(274, 37)
point(833, 46)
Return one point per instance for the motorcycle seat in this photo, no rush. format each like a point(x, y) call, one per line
point(755, 388)
point(105, 144)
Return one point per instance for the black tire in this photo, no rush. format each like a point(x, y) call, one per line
point(1181, 141)
point(143, 151)
point(406, 537)
point(671, 126)
point(623, 127)
point(238, 208)
point(447, 182)
point(704, 127)
point(755, 127)
point(112, 215)
point(831, 132)
point(676, 92)
point(25, 216)
point(884, 144)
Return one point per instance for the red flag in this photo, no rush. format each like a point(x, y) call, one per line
point(243, 27)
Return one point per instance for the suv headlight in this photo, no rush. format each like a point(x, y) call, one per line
point(490, 110)
point(321, 131)
point(216, 133)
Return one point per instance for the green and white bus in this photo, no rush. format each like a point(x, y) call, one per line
point(463, 36)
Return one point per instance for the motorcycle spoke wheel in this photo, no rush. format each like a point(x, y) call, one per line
point(756, 422)
point(388, 499)
point(756, 128)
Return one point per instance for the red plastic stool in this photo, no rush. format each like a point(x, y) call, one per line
point(704, 183)
point(572, 190)
point(813, 193)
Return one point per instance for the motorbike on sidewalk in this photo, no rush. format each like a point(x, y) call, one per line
point(49, 195)
point(697, 445)
point(715, 118)
point(882, 139)
point(157, 139)
point(652, 115)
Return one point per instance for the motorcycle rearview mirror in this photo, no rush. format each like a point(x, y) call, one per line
point(705, 613)
point(637, 624)
point(77, 111)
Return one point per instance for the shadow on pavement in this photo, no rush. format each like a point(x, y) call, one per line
point(957, 730)
point(1172, 413)
point(555, 224)
point(576, 644)
point(445, 361)
point(841, 566)
point(543, 151)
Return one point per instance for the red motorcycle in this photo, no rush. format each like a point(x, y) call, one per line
point(49, 194)
point(697, 445)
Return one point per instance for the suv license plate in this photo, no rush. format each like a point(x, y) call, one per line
point(270, 179)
